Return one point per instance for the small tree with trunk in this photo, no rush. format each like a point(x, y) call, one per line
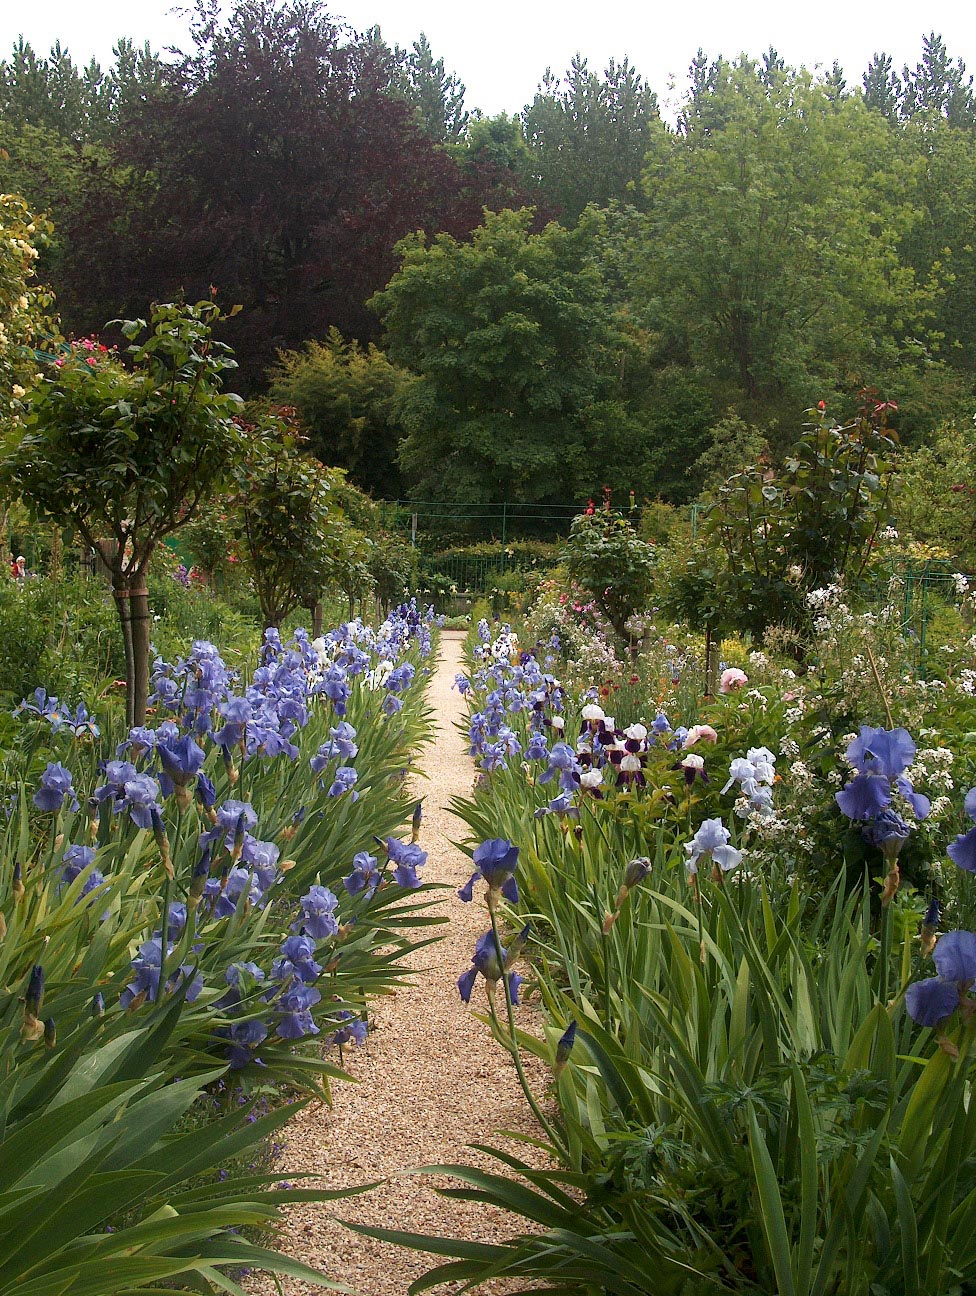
point(125, 455)
point(297, 538)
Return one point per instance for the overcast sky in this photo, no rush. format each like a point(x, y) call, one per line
point(501, 48)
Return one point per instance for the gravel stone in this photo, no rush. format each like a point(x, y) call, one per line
point(431, 1080)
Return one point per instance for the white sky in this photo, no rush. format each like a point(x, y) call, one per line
point(500, 49)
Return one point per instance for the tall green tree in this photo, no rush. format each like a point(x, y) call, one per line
point(587, 136)
point(436, 94)
point(515, 353)
point(770, 254)
point(938, 87)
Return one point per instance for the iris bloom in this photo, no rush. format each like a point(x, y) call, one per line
point(55, 788)
point(493, 961)
point(931, 1001)
point(880, 757)
point(712, 840)
point(962, 851)
point(495, 860)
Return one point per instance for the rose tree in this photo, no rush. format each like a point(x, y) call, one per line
point(126, 455)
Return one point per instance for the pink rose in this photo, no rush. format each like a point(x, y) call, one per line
point(732, 678)
point(699, 732)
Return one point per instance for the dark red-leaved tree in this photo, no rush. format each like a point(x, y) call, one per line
point(276, 163)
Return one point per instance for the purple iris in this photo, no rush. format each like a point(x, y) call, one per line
point(353, 1030)
point(237, 714)
point(129, 790)
point(881, 757)
point(677, 738)
point(55, 788)
point(262, 858)
point(76, 858)
point(181, 761)
point(365, 875)
point(408, 857)
point(495, 860)
point(712, 840)
point(345, 781)
point(297, 961)
point(238, 976)
point(240, 882)
point(342, 746)
point(318, 917)
point(233, 817)
point(296, 1020)
point(962, 851)
point(562, 761)
point(931, 1001)
point(492, 960)
point(146, 966)
point(244, 1037)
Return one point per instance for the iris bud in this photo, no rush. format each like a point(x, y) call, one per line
point(35, 991)
point(565, 1047)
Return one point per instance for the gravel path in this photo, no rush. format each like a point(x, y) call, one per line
point(431, 1079)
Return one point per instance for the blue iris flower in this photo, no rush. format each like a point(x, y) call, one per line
point(408, 857)
point(493, 961)
point(55, 788)
point(365, 875)
point(880, 757)
point(317, 917)
point(495, 860)
point(929, 1002)
point(962, 851)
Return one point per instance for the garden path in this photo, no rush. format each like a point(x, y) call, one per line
point(431, 1079)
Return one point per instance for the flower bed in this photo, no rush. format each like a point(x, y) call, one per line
point(764, 1082)
point(201, 908)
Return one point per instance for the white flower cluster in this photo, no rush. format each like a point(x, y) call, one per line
point(931, 766)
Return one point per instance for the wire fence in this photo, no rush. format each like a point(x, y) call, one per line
point(434, 520)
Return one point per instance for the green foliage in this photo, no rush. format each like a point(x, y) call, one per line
point(513, 347)
point(753, 267)
point(23, 306)
point(935, 500)
point(127, 1150)
point(605, 554)
point(125, 456)
point(747, 1106)
point(733, 446)
point(345, 395)
point(54, 94)
point(436, 95)
point(783, 534)
point(128, 454)
point(295, 544)
point(588, 136)
point(62, 635)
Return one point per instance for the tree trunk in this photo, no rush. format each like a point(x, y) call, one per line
point(139, 620)
point(317, 616)
point(711, 661)
point(132, 605)
point(121, 595)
